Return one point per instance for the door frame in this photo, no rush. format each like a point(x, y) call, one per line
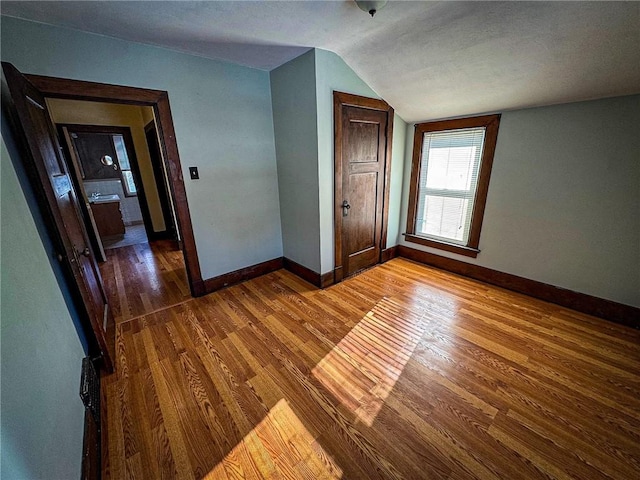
point(54, 87)
point(341, 100)
point(133, 161)
point(161, 185)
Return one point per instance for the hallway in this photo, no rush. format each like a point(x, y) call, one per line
point(140, 279)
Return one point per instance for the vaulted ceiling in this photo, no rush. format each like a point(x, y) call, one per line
point(427, 59)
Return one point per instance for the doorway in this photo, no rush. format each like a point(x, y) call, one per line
point(363, 137)
point(120, 184)
point(51, 175)
point(25, 98)
point(59, 88)
point(107, 176)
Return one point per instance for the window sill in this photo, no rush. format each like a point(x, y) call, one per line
point(449, 247)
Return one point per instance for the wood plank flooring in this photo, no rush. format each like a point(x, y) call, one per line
point(143, 278)
point(401, 372)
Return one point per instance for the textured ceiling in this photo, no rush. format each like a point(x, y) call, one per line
point(427, 59)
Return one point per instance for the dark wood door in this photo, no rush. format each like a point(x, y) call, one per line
point(364, 146)
point(91, 148)
point(85, 206)
point(58, 201)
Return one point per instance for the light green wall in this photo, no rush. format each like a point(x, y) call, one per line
point(42, 415)
point(564, 198)
point(397, 175)
point(332, 73)
point(302, 93)
point(223, 122)
point(293, 96)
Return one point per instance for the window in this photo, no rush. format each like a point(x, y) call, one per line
point(128, 183)
point(449, 182)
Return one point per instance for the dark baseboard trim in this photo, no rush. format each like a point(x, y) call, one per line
point(599, 307)
point(237, 276)
point(300, 270)
point(389, 253)
point(91, 454)
point(94, 441)
point(337, 274)
point(314, 278)
point(326, 280)
point(163, 235)
point(198, 288)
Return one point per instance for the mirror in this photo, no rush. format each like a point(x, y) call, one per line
point(107, 161)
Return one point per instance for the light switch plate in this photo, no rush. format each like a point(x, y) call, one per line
point(193, 172)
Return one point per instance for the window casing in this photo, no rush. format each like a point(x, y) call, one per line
point(126, 175)
point(449, 182)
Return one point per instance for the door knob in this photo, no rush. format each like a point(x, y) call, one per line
point(86, 252)
point(345, 208)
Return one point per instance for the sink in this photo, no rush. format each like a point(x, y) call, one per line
point(104, 198)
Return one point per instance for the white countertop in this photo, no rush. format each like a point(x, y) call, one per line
point(104, 199)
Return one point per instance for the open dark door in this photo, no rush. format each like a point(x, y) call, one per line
point(58, 201)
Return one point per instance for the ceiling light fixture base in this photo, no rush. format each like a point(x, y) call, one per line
point(370, 6)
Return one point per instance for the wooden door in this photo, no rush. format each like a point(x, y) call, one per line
point(58, 201)
point(85, 205)
point(362, 174)
point(90, 148)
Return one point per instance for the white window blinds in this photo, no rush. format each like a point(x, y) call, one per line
point(448, 182)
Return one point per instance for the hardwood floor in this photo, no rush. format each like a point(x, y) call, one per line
point(403, 371)
point(142, 278)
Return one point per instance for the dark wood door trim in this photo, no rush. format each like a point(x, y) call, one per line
point(341, 100)
point(151, 135)
point(159, 100)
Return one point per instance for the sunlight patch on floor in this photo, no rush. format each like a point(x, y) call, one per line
point(363, 368)
point(278, 447)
